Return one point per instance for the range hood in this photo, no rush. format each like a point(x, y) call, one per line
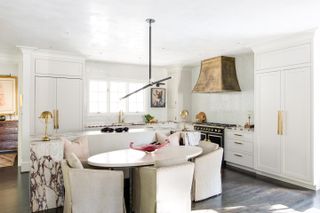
point(217, 75)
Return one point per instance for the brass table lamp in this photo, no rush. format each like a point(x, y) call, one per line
point(46, 115)
point(184, 115)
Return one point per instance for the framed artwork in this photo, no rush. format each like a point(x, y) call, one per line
point(158, 97)
point(8, 95)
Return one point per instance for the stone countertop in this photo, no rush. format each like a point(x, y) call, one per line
point(55, 137)
point(241, 129)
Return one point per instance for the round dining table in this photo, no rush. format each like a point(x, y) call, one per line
point(125, 158)
point(130, 158)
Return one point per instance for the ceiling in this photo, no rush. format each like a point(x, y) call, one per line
point(185, 31)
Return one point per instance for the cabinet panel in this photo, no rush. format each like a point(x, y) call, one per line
point(284, 57)
point(296, 156)
point(267, 106)
point(69, 104)
point(231, 144)
point(56, 67)
point(239, 157)
point(45, 100)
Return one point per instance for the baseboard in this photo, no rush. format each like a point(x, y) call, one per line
point(297, 183)
point(262, 175)
point(241, 167)
point(25, 166)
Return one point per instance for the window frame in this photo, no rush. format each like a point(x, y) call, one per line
point(108, 81)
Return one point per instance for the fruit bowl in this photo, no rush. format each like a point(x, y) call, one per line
point(148, 148)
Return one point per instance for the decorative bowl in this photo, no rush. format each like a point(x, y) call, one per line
point(148, 148)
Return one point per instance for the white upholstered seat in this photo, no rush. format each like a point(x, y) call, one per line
point(207, 174)
point(165, 189)
point(89, 190)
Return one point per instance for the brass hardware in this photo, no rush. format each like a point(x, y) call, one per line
point(280, 123)
point(56, 119)
point(57, 116)
point(46, 115)
point(238, 155)
point(238, 142)
point(184, 116)
point(237, 135)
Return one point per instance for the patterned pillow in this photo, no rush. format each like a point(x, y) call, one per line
point(78, 146)
point(174, 138)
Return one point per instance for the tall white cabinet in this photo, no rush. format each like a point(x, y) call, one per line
point(58, 88)
point(285, 108)
point(62, 96)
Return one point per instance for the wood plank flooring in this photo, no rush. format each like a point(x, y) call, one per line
point(241, 193)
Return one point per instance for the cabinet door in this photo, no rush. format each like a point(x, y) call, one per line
point(45, 100)
point(296, 155)
point(69, 104)
point(268, 103)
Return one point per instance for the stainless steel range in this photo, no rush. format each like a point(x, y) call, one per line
point(213, 132)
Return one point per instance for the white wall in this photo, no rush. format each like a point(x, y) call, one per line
point(8, 64)
point(114, 71)
point(179, 91)
point(231, 107)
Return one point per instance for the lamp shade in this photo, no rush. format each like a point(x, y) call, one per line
point(46, 115)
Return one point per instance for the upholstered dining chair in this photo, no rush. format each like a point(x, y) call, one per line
point(207, 172)
point(165, 188)
point(89, 190)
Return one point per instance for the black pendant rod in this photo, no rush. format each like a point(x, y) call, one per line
point(150, 21)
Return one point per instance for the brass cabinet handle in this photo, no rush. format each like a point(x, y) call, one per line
point(237, 135)
point(238, 155)
point(280, 123)
point(236, 142)
point(56, 119)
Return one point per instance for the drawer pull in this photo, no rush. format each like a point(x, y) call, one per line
point(238, 143)
point(238, 155)
point(237, 135)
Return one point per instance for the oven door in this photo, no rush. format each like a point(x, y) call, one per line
point(215, 138)
point(203, 136)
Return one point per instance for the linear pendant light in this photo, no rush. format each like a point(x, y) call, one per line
point(150, 84)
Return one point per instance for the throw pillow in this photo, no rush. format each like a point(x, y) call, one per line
point(73, 161)
point(79, 147)
point(174, 138)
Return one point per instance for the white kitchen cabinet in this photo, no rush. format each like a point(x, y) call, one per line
point(286, 109)
point(296, 143)
point(64, 95)
point(58, 67)
point(268, 146)
point(239, 148)
point(69, 104)
point(287, 92)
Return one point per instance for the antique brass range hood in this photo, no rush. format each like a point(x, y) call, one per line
point(217, 75)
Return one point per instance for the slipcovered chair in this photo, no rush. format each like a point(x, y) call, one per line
point(207, 172)
point(165, 188)
point(89, 190)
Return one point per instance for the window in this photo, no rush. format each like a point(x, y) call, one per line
point(98, 96)
point(136, 101)
point(117, 90)
point(105, 96)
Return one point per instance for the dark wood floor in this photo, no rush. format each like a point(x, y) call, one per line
point(241, 193)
